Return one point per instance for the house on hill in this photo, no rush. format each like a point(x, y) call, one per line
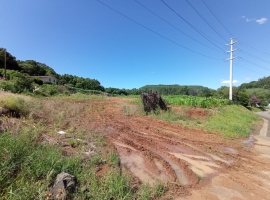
point(46, 79)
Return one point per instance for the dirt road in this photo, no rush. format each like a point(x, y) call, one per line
point(194, 164)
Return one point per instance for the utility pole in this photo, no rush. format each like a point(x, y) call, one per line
point(5, 65)
point(231, 65)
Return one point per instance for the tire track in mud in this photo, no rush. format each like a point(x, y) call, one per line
point(157, 151)
point(195, 164)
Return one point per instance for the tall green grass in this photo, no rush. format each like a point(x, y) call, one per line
point(203, 102)
point(232, 121)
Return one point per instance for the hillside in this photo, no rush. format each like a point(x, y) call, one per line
point(260, 88)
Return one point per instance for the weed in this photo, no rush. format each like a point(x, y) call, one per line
point(144, 192)
point(113, 159)
point(101, 141)
point(74, 143)
point(158, 190)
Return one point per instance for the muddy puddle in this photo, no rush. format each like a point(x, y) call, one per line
point(166, 162)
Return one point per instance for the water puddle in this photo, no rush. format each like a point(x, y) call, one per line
point(178, 171)
point(228, 162)
point(211, 155)
point(229, 150)
point(136, 164)
point(199, 167)
point(162, 176)
point(249, 142)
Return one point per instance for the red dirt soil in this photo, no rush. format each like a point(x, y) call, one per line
point(194, 164)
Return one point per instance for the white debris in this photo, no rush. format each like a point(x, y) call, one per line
point(61, 132)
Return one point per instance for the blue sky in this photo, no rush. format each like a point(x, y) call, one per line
point(129, 50)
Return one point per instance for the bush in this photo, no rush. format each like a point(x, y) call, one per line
point(16, 105)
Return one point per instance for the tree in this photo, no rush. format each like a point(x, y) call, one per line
point(11, 62)
point(240, 96)
point(254, 101)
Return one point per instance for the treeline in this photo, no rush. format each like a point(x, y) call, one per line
point(165, 90)
point(259, 89)
point(18, 73)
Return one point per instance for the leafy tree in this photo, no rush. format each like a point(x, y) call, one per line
point(240, 96)
point(79, 82)
point(11, 62)
point(33, 68)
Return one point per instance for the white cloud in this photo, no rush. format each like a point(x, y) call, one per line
point(228, 81)
point(261, 21)
point(247, 78)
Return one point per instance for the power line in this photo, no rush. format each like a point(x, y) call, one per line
point(255, 64)
point(249, 54)
point(156, 32)
point(175, 26)
point(249, 69)
point(254, 48)
point(217, 18)
point(198, 31)
point(240, 41)
point(205, 20)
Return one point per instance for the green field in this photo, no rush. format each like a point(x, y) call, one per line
point(202, 102)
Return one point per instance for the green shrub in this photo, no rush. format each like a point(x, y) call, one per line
point(16, 105)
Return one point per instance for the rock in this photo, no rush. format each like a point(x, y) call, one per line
point(63, 186)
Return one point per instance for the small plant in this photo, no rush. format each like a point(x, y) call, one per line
point(158, 190)
point(145, 192)
point(74, 143)
point(113, 159)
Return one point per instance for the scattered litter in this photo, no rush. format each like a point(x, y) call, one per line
point(61, 132)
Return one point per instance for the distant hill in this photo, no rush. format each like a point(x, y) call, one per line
point(263, 83)
point(260, 88)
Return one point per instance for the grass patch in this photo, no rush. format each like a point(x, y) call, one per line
point(32, 153)
point(232, 121)
point(16, 104)
point(85, 97)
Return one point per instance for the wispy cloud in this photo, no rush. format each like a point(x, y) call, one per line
point(228, 81)
point(261, 21)
point(247, 78)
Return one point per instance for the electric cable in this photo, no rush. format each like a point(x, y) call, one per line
point(198, 31)
point(156, 32)
point(205, 20)
point(255, 64)
point(217, 18)
point(249, 54)
point(254, 48)
point(175, 26)
point(248, 69)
